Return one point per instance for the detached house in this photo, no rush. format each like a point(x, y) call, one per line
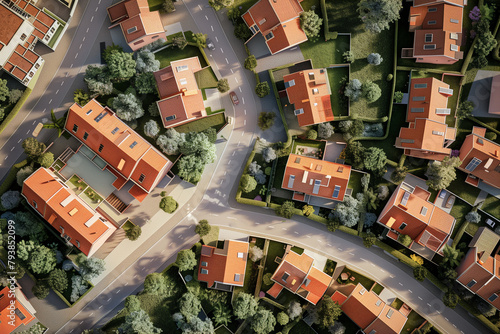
point(223, 268)
point(309, 91)
point(309, 177)
point(409, 212)
point(427, 135)
point(181, 100)
point(480, 159)
point(15, 303)
point(278, 21)
point(22, 26)
point(367, 310)
point(437, 28)
point(140, 26)
point(297, 274)
point(74, 219)
point(479, 271)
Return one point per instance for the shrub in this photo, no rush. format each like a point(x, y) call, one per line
point(325, 130)
point(146, 62)
point(128, 107)
point(255, 253)
point(23, 174)
point(132, 303)
point(404, 240)
point(223, 85)
point(310, 23)
point(40, 290)
point(348, 57)
point(168, 204)
point(266, 279)
point(399, 174)
point(179, 42)
point(262, 89)
point(153, 109)
point(417, 259)
point(419, 273)
point(374, 59)
point(307, 210)
point(370, 219)
point(286, 209)
point(266, 120)
point(247, 183)
point(282, 318)
point(451, 299)
point(250, 63)
point(10, 199)
point(78, 287)
point(473, 217)
point(242, 32)
point(15, 95)
point(90, 268)
point(151, 128)
point(389, 77)
point(168, 6)
point(203, 228)
point(371, 91)
point(398, 97)
point(347, 212)
point(186, 260)
point(294, 310)
point(491, 136)
point(134, 232)
point(58, 280)
point(369, 239)
point(269, 154)
point(353, 90)
point(464, 109)
point(312, 134)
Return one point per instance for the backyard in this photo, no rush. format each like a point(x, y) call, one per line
point(216, 121)
point(491, 205)
point(309, 148)
point(358, 278)
point(325, 54)
point(172, 53)
point(335, 76)
point(355, 182)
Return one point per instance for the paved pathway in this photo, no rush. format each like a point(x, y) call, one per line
point(480, 198)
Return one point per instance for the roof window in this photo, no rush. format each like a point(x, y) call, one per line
point(89, 112)
point(170, 118)
point(472, 164)
point(240, 255)
point(428, 38)
point(389, 313)
point(336, 192)
point(298, 111)
point(142, 177)
point(471, 283)
point(183, 81)
point(431, 22)
point(285, 276)
point(402, 226)
point(181, 68)
point(100, 116)
point(237, 277)
point(423, 212)
point(115, 130)
point(438, 133)
point(493, 297)
point(362, 291)
point(297, 160)
point(269, 36)
point(454, 21)
point(204, 264)
point(133, 144)
point(290, 83)
point(131, 30)
point(407, 141)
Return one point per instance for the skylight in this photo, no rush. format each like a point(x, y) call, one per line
point(115, 130)
point(133, 144)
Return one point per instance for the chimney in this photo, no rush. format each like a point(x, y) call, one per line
point(496, 153)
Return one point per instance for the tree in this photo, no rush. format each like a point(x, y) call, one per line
point(417, 259)
point(132, 304)
point(211, 134)
point(399, 174)
point(110, 49)
point(262, 89)
point(269, 154)
point(377, 15)
point(40, 290)
point(46, 159)
point(256, 253)
point(485, 43)
point(219, 4)
point(128, 107)
point(23, 174)
point(266, 279)
point(441, 173)
point(189, 305)
point(10, 199)
point(171, 141)
point(328, 312)
point(374, 59)
point(2, 114)
point(121, 65)
point(312, 134)
point(374, 159)
point(168, 6)
point(4, 90)
point(155, 284)
point(286, 210)
point(28, 226)
point(250, 63)
point(145, 83)
point(245, 305)
point(242, 32)
point(200, 39)
point(190, 168)
point(307, 210)
point(233, 14)
point(310, 23)
point(168, 204)
point(138, 322)
point(404, 240)
point(186, 260)
point(473, 217)
point(369, 239)
point(180, 42)
point(81, 97)
point(222, 314)
point(325, 130)
point(348, 56)
point(347, 211)
point(203, 228)
point(90, 268)
point(484, 307)
point(58, 280)
point(15, 95)
point(98, 80)
point(247, 183)
point(398, 97)
point(266, 120)
point(33, 148)
point(337, 328)
point(353, 90)
point(464, 109)
point(146, 62)
point(419, 273)
point(451, 257)
point(294, 310)
point(354, 153)
point(56, 123)
point(134, 232)
point(151, 128)
point(263, 321)
point(371, 91)
point(282, 318)
point(451, 299)
point(42, 260)
point(223, 85)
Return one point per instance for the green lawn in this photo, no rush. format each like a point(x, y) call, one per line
point(330, 267)
point(172, 53)
point(55, 36)
point(170, 38)
point(378, 289)
point(302, 328)
point(206, 78)
point(324, 54)
point(491, 205)
point(244, 5)
point(459, 210)
point(465, 191)
point(402, 80)
point(414, 321)
point(397, 303)
point(280, 172)
point(363, 280)
point(355, 182)
point(335, 75)
point(155, 4)
point(276, 249)
point(212, 237)
point(216, 121)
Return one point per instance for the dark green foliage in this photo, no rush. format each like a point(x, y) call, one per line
point(180, 42)
point(286, 209)
point(132, 304)
point(168, 6)
point(328, 312)
point(399, 174)
point(134, 232)
point(58, 280)
point(247, 183)
point(200, 39)
point(168, 204)
point(419, 273)
point(371, 91)
point(189, 305)
point(491, 136)
point(155, 284)
point(211, 134)
point(369, 239)
point(263, 321)
point(377, 15)
point(312, 134)
point(121, 65)
point(203, 228)
point(464, 110)
point(398, 97)
point(250, 63)
point(4, 90)
point(186, 260)
point(354, 153)
point(81, 97)
point(262, 89)
point(33, 148)
point(440, 174)
point(110, 49)
point(405, 240)
point(310, 23)
point(145, 83)
point(40, 290)
point(245, 305)
point(451, 299)
point(242, 32)
point(223, 85)
point(266, 120)
point(219, 4)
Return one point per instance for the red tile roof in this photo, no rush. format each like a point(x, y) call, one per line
point(316, 177)
point(293, 270)
point(315, 284)
point(309, 91)
point(22, 310)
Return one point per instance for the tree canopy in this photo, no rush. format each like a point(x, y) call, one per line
point(441, 173)
point(128, 107)
point(146, 62)
point(263, 321)
point(186, 260)
point(245, 305)
point(121, 65)
point(310, 23)
point(138, 322)
point(203, 228)
point(328, 312)
point(377, 15)
point(33, 148)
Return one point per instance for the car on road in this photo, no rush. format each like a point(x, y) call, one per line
point(234, 98)
point(210, 44)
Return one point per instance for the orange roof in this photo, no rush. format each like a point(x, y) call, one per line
point(486, 155)
point(429, 94)
point(309, 91)
point(226, 266)
point(293, 270)
point(10, 24)
point(181, 100)
point(389, 321)
point(121, 147)
point(281, 17)
point(22, 310)
point(65, 211)
point(275, 290)
point(409, 212)
point(338, 297)
point(316, 177)
point(316, 284)
point(494, 96)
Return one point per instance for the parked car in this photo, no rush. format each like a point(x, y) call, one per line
point(450, 201)
point(210, 44)
point(234, 98)
point(442, 194)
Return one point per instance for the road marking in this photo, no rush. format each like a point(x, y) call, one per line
point(243, 99)
point(296, 232)
point(71, 66)
point(439, 312)
point(212, 28)
point(382, 270)
point(410, 291)
point(236, 79)
point(445, 318)
point(33, 123)
point(400, 283)
point(76, 55)
point(19, 141)
point(242, 133)
point(429, 305)
point(96, 9)
point(231, 218)
point(239, 88)
point(126, 283)
point(245, 111)
point(225, 172)
point(340, 249)
point(392, 276)
point(7, 155)
point(216, 39)
point(12, 148)
point(57, 91)
point(223, 52)
point(232, 70)
point(109, 299)
point(283, 228)
point(91, 19)
point(67, 73)
point(227, 61)
point(271, 226)
point(221, 181)
point(83, 40)
point(245, 122)
point(257, 223)
point(99, 2)
point(206, 17)
point(238, 144)
point(118, 291)
point(170, 244)
point(213, 214)
point(50, 101)
point(420, 298)
point(91, 314)
point(87, 29)
point(329, 245)
point(180, 237)
point(81, 322)
point(454, 325)
point(44, 109)
point(351, 253)
point(234, 152)
point(200, 7)
point(71, 331)
point(62, 83)
point(100, 307)
point(372, 264)
point(80, 47)
point(135, 275)
point(362, 259)
point(308, 236)
point(28, 132)
point(319, 240)
point(229, 162)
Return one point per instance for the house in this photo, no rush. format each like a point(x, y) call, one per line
point(480, 159)
point(181, 100)
point(309, 91)
point(437, 28)
point(23, 25)
point(367, 310)
point(297, 274)
point(125, 152)
point(308, 177)
point(479, 270)
point(15, 310)
point(278, 21)
point(427, 135)
point(140, 26)
point(74, 219)
point(410, 212)
point(223, 268)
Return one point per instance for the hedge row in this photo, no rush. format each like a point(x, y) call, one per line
point(11, 177)
point(427, 70)
point(472, 118)
point(248, 201)
point(326, 27)
point(16, 109)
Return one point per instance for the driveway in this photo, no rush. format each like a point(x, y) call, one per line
point(292, 55)
point(258, 47)
point(480, 93)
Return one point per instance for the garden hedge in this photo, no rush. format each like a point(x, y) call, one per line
point(16, 109)
point(248, 201)
point(428, 70)
point(326, 27)
point(11, 177)
point(472, 118)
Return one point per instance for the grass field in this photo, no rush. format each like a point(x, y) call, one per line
point(172, 53)
point(216, 121)
point(206, 78)
point(355, 182)
point(459, 210)
point(155, 4)
point(492, 206)
point(324, 54)
point(465, 191)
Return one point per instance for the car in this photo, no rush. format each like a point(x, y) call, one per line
point(210, 44)
point(234, 98)
point(442, 194)
point(450, 202)
point(37, 129)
